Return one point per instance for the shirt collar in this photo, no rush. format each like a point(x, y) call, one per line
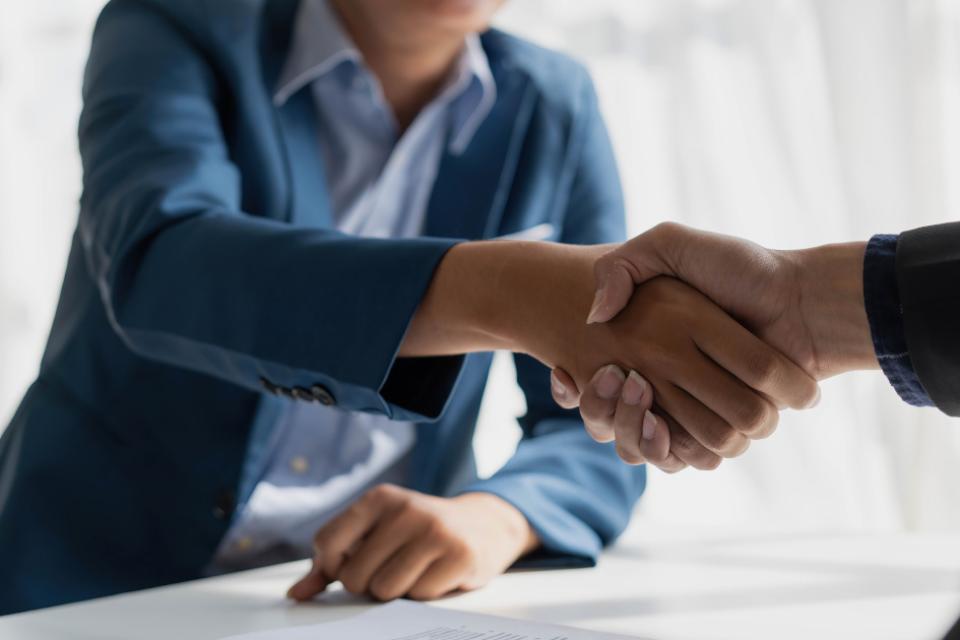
point(320, 46)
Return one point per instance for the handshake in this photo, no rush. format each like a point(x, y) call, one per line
point(720, 335)
point(679, 345)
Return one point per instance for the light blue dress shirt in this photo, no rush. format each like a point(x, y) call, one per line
point(319, 459)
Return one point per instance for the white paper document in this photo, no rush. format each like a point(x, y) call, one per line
point(402, 620)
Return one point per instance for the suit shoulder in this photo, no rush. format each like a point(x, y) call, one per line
point(562, 81)
point(202, 20)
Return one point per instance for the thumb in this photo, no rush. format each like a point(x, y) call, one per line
point(615, 285)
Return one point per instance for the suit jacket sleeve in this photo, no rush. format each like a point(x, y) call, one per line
point(189, 278)
point(576, 494)
point(928, 278)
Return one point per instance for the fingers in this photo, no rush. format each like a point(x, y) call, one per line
point(760, 366)
point(635, 402)
point(745, 410)
point(640, 435)
point(598, 402)
point(564, 389)
point(309, 585)
point(334, 542)
point(687, 448)
point(443, 576)
point(401, 572)
point(376, 549)
point(700, 422)
point(655, 445)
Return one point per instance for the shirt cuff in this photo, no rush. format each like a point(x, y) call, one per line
point(881, 298)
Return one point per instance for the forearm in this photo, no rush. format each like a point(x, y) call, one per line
point(519, 296)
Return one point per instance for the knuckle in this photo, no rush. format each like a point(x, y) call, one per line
point(724, 441)
point(764, 369)
point(438, 532)
point(765, 421)
point(629, 454)
point(685, 447)
point(702, 459)
point(461, 551)
point(351, 583)
point(421, 594)
point(683, 442)
point(600, 428)
point(708, 462)
point(811, 394)
point(383, 590)
point(382, 491)
point(597, 409)
point(598, 431)
point(603, 264)
point(754, 417)
point(667, 228)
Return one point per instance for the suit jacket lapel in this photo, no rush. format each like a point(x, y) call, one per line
point(471, 189)
point(296, 122)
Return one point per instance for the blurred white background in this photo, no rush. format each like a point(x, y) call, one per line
point(791, 122)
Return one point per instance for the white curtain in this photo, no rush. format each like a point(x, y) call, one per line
point(43, 46)
point(791, 122)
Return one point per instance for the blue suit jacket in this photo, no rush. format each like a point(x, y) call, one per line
point(205, 266)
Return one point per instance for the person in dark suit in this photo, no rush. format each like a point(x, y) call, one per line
point(274, 330)
point(892, 303)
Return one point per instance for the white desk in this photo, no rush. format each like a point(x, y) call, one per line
point(658, 584)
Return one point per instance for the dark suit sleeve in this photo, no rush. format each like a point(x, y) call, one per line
point(576, 494)
point(881, 298)
point(189, 278)
point(928, 277)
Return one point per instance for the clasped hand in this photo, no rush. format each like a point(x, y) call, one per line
point(693, 384)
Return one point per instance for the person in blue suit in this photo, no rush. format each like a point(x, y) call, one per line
point(274, 331)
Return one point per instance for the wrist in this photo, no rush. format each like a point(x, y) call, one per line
point(534, 295)
point(514, 525)
point(832, 306)
point(547, 291)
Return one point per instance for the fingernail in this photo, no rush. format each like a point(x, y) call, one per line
point(559, 390)
point(594, 316)
point(649, 426)
point(609, 382)
point(634, 388)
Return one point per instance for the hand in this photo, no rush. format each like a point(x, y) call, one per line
point(809, 304)
point(712, 379)
point(533, 297)
point(394, 542)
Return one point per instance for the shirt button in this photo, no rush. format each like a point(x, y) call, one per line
point(322, 395)
point(244, 543)
point(299, 464)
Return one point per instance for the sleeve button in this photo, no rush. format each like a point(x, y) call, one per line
point(269, 387)
point(322, 395)
point(300, 393)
